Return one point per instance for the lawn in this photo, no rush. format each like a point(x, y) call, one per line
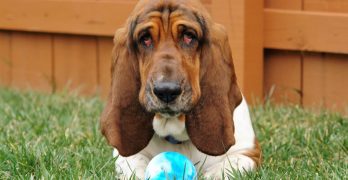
point(57, 137)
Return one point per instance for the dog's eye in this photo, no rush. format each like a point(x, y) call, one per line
point(188, 38)
point(146, 40)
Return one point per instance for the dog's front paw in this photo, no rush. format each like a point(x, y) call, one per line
point(127, 172)
point(215, 172)
point(232, 163)
point(137, 172)
point(240, 163)
point(131, 167)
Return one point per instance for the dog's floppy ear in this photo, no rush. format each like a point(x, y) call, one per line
point(210, 124)
point(124, 122)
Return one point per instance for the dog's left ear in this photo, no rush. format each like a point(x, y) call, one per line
point(210, 124)
point(124, 122)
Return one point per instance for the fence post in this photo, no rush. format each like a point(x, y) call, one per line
point(244, 22)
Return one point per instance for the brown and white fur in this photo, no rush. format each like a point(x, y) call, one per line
point(243, 156)
point(173, 76)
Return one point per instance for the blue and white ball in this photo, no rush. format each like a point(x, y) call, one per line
point(170, 165)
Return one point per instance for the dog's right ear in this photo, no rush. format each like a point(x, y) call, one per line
point(124, 122)
point(210, 123)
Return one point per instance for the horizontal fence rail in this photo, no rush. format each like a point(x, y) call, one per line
point(306, 31)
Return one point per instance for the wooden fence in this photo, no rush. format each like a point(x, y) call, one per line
point(306, 47)
point(295, 50)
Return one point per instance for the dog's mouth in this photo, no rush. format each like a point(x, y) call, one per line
point(169, 112)
point(171, 109)
point(181, 105)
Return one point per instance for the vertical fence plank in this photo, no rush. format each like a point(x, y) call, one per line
point(32, 61)
point(75, 63)
point(243, 20)
point(104, 59)
point(339, 6)
point(284, 4)
point(324, 81)
point(231, 15)
point(336, 84)
point(5, 58)
point(234, 23)
point(313, 80)
point(283, 68)
point(253, 48)
point(283, 76)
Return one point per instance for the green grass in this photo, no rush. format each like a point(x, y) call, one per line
point(57, 137)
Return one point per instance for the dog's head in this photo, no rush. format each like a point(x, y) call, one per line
point(170, 58)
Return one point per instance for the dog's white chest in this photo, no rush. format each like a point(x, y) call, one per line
point(170, 126)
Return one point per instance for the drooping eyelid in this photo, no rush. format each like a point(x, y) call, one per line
point(193, 28)
point(190, 31)
point(143, 33)
point(140, 30)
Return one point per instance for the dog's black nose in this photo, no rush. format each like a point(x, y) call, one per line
point(167, 91)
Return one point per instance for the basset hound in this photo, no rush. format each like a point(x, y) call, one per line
point(174, 88)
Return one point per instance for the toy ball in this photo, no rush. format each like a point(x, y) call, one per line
point(170, 165)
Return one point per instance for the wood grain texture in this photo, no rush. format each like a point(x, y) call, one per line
point(336, 74)
point(5, 58)
point(75, 63)
point(244, 23)
point(253, 49)
point(337, 6)
point(313, 80)
point(104, 60)
point(84, 17)
point(32, 61)
point(234, 24)
point(325, 81)
point(283, 76)
point(284, 4)
point(306, 31)
point(100, 17)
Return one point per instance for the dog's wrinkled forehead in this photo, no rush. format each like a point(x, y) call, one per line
point(167, 11)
